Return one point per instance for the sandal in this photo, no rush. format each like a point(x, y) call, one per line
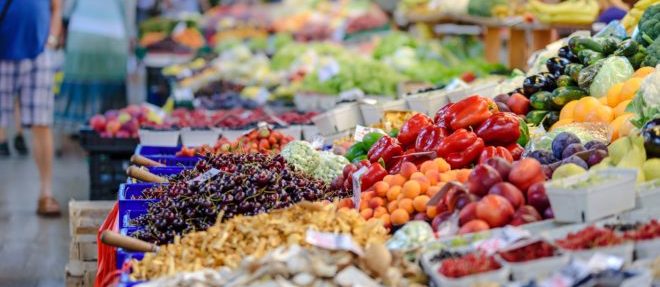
point(48, 206)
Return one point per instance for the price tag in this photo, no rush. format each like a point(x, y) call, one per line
point(506, 238)
point(361, 131)
point(599, 262)
point(179, 28)
point(181, 94)
point(357, 186)
point(317, 142)
point(329, 69)
point(262, 96)
point(205, 176)
point(333, 241)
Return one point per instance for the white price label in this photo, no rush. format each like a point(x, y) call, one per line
point(329, 69)
point(361, 131)
point(205, 176)
point(262, 96)
point(179, 28)
point(357, 186)
point(351, 95)
point(183, 94)
point(333, 241)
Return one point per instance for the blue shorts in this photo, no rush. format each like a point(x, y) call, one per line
point(31, 82)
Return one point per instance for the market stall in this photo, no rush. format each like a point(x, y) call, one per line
point(284, 159)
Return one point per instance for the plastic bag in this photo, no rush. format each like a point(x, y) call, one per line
point(587, 131)
point(613, 29)
point(614, 70)
point(106, 265)
point(412, 235)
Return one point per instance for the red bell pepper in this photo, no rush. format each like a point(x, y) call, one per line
point(455, 142)
point(492, 151)
point(385, 148)
point(516, 150)
point(466, 157)
point(470, 112)
point(443, 117)
point(461, 148)
point(500, 129)
point(411, 128)
point(429, 138)
point(375, 173)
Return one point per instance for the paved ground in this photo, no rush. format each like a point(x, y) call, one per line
point(34, 250)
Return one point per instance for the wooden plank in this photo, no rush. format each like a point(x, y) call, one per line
point(492, 44)
point(517, 49)
point(85, 217)
point(541, 38)
point(74, 281)
point(78, 268)
point(83, 251)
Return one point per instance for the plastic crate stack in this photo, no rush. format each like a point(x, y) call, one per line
point(130, 207)
point(107, 159)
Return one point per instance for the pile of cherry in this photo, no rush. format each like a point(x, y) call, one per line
point(221, 187)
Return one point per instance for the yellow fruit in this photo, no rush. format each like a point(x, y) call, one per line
point(621, 126)
point(603, 100)
point(586, 109)
point(620, 109)
point(613, 95)
point(629, 88)
point(567, 110)
point(643, 72)
point(603, 114)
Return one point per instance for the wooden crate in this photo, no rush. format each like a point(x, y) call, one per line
point(80, 273)
point(84, 248)
point(85, 217)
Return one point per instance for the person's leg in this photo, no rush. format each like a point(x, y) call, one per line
point(8, 81)
point(37, 112)
point(42, 142)
point(19, 140)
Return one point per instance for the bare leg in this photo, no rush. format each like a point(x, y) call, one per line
point(3, 135)
point(43, 155)
point(17, 118)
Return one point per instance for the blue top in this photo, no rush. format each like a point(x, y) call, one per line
point(24, 30)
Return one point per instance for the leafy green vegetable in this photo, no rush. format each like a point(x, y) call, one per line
point(646, 103)
point(649, 25)
point(652, 54)
point(484, 8)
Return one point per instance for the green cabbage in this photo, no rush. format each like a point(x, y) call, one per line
point(614, 70)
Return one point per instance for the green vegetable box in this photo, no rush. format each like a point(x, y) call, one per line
point(592, 195)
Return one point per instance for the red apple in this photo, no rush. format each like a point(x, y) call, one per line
point(495, 210)
point(548, 213)
point(467, 213)
point(97, 122)
point(526, 172)
point(537, 197)
point(112, 127)
point(510, 192)
point(134, 110)
point(464, 199)
point(502, 166)
point(474, 225)
point(525, 214)
point(439, 219)
point(482, 178)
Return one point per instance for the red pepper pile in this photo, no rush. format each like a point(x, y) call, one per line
point(467, 132)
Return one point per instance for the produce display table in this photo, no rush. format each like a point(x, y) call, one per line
point(523, 37)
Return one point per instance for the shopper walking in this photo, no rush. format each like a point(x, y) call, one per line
point(95, 61)
point(27, 28)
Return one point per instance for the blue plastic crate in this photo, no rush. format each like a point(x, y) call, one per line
point(170, 160)
point(167, 171)
point(156, 150)
point(131, 208)
point(125, 255)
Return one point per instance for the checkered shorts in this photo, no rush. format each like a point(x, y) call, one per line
point(31, 80)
